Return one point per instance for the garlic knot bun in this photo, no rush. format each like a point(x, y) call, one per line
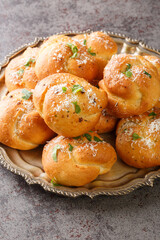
point(21, 125)
point(20, 72)
point(69, 105)
point(132, 84)
point(138, 139)
point(61, 54)
point(84, 55)
point(76, 162)
point(102, 47)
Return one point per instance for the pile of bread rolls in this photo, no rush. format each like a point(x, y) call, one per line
point(71, 89)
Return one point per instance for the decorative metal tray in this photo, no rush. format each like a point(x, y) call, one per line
point(122, 179)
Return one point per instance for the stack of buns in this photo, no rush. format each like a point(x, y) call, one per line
point(79, 87)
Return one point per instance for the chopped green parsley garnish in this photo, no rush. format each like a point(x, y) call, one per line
point(128, 66)
point(88, 136)
point(28, 63)
point(20, 72)
point(77, 88)
point(77, 107)
point(135, 136)
point(74, 50)
point(77, 137)
point(70, 147)
point(152, 114)
point(90, 52)
point(26, 94)
point(97, 139)
point(84, 42)
point(149, 75)
point(64, 89)
point(128, 71)
point(54, 183)
point(55, 150)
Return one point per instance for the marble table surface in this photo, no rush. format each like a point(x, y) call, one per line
point(28, 212)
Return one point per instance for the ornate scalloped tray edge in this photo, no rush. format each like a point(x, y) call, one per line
point(147, 179)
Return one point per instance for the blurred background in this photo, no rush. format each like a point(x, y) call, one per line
point(28, 212)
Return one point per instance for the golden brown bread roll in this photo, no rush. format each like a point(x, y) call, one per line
point(64, 55)
point(132, 85)
point(156, 62)
point(69, 105)
point(76, 162)
point(101, 46)
point(20, 71)
point(53, 39)
point(21, 126)
point(138, 139)
point(106, 123)
point(83, 55)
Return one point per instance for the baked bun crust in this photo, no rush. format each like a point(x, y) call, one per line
point(52, 40)
point(93, 52)
point(138, 139)
point(74, 162)
point(106, 123)
point(57, 57)
point(21, 125)
point(156, 62)
point(20, 71)
point(102, 45)
point(132, 84)
point(66, 110)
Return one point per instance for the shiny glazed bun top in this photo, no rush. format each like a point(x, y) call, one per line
point(69, 105)
point(132, 84)
point(20, 72)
